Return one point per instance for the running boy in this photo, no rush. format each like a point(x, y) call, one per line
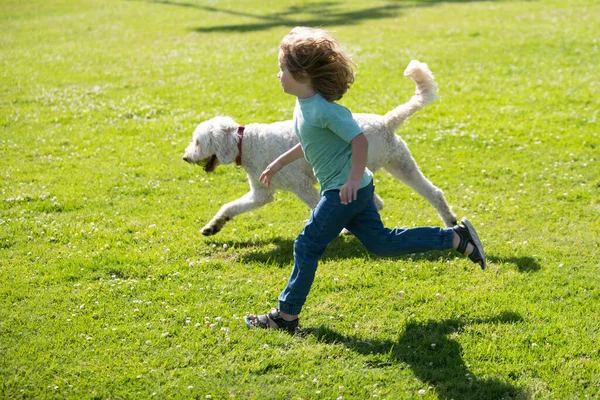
point(315, 69)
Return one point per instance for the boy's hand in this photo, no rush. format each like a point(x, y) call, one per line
point(348, 192)
point(269, 172)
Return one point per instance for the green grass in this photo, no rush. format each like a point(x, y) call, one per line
point(109, 291)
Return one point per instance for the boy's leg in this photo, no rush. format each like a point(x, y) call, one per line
point(326, 222)
point(385, 242)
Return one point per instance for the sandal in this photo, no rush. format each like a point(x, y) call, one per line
point(272, 320)
point(468, 236)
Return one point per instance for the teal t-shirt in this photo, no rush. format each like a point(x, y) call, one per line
point(325, 130)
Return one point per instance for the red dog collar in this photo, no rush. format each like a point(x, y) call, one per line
point(238, 159)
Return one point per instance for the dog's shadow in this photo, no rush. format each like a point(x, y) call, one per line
point(430, 351)
point(279, 251)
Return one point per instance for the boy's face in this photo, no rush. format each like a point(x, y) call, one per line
point(288, 83)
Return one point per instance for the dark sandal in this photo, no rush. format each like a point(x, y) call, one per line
point(262, 321)
point(468, 235)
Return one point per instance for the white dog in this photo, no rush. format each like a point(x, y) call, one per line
point(221, 141)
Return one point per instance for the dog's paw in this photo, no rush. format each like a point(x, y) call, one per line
point(451, 221)
point(209, 230)
point(215, 225)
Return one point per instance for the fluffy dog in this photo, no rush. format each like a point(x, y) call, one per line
point(218, 141)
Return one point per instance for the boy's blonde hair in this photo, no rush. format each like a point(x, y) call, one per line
point(314, 54)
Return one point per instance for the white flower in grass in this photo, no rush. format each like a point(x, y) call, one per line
point(190, 387)
point(422, 392)
point(165, 334)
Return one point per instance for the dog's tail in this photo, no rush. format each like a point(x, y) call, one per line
point(424, 94)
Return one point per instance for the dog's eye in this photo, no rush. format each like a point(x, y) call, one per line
point(197, 143)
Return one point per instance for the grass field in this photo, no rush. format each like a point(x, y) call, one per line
point(107, 289)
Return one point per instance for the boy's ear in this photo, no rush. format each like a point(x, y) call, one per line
point(302, 77)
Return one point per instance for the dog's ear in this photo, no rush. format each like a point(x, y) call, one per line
point(225, 139)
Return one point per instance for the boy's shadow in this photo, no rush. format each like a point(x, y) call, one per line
point(430, 351)
point(280, 251)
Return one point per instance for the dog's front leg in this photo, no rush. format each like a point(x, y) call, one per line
point(249, 201)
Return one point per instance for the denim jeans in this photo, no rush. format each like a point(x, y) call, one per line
point(362, 219)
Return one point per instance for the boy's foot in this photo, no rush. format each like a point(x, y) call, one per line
point(468, 240)
point(272, 320)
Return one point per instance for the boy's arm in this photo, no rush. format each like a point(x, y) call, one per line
point(360, 153)
point(289, 156)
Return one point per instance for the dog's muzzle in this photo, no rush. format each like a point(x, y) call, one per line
point(211, 164)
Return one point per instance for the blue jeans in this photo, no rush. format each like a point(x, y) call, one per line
point(362, 219)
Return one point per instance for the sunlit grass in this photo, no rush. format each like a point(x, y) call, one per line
point(109, 291)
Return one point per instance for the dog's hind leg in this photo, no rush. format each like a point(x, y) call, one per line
point(408, 172)
point(257, 197)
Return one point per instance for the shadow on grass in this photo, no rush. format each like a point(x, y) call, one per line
point(327, 13)
point(523, 264)
point(279, 251)
point(430, 351)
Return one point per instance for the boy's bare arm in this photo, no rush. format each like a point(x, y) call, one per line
point(289, 156)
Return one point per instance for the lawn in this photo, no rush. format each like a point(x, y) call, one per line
point(108, 290)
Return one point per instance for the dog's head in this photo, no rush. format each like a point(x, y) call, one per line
point(214, 142)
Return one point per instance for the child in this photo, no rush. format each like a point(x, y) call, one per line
point(315, 69)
